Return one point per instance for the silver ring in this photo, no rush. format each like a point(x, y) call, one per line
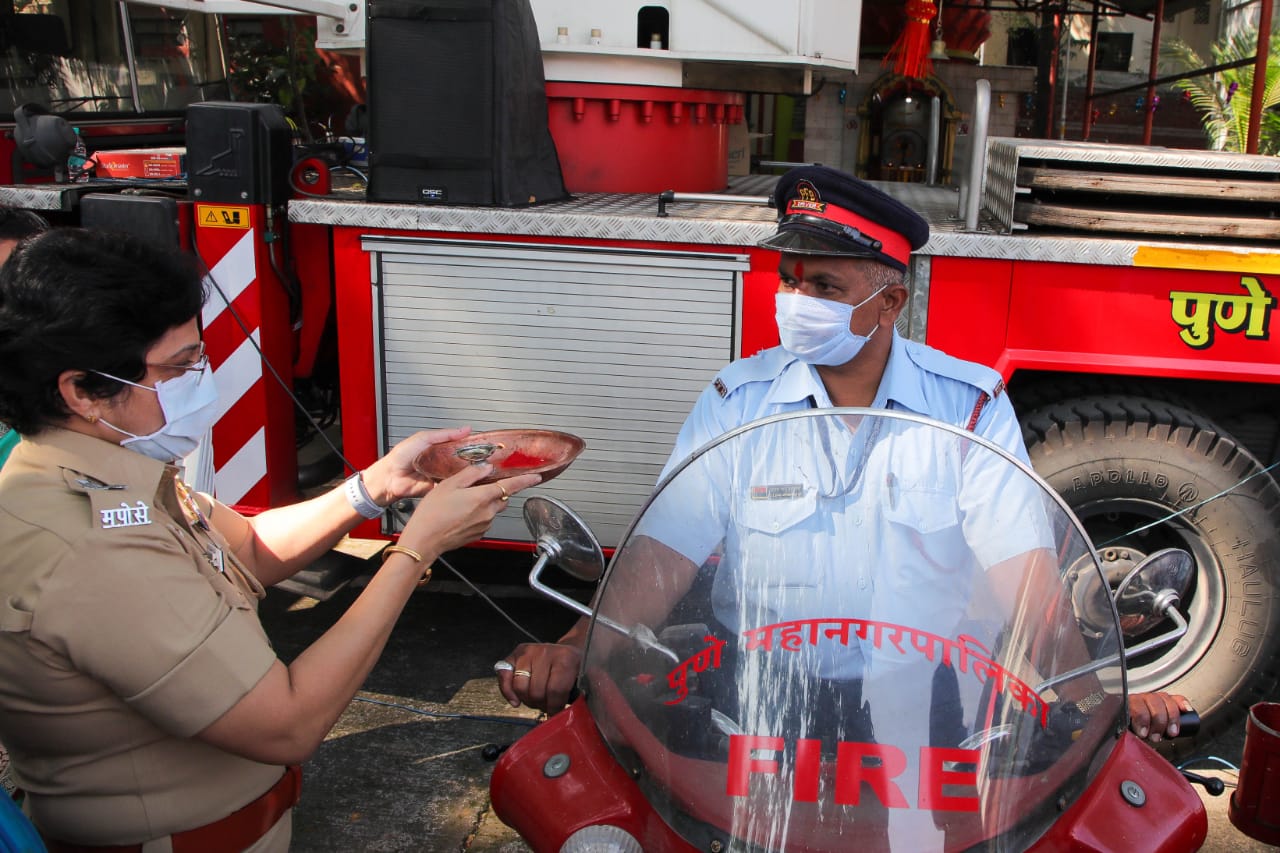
point(503, 666)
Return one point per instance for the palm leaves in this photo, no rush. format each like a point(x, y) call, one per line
point(1224, 98)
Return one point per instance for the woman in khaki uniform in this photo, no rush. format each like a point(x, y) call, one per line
point(139, 696)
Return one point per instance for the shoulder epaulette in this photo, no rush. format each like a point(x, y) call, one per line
point(984, 378)
point(762, 367)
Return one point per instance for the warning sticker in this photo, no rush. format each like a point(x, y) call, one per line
point(209, 216)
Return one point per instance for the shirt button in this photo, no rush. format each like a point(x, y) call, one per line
point(862, 583)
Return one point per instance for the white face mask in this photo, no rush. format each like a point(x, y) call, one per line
point(816, 331)
point(190, 406)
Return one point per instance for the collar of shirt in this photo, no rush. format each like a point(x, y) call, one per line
point(900, 383)
point(108, 463)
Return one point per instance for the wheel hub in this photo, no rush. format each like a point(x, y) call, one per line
point(1117, 562)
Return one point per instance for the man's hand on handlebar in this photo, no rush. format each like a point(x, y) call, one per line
point(542, 675)
point(1156, 716)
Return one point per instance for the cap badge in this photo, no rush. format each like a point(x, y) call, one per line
point(806, 191)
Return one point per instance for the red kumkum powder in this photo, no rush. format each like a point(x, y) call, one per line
point(522, 460)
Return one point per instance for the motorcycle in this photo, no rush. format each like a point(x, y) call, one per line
point(850, 629)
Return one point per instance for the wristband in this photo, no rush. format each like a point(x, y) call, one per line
point(1093, 700)
point(358, 497)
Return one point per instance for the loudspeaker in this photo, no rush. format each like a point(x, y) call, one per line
point(457, 104)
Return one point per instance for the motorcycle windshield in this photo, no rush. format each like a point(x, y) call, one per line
point(849, 629)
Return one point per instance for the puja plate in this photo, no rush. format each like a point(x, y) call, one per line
point(511, 452)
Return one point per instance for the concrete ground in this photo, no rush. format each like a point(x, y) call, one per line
point(402, 770)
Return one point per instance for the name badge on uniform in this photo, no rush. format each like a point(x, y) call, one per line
point(788, 492)
point(125, 515)
point(214, 554)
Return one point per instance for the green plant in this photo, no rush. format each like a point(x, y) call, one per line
point(1225, 97)
point(277, 64)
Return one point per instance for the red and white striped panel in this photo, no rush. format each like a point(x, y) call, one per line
point(239, 436)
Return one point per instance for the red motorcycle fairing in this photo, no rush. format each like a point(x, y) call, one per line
point(1172, 818)
point(594, 790)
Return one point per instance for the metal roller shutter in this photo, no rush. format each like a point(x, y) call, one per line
point(613, 345)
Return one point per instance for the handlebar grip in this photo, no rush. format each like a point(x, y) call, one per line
point(1188, 724)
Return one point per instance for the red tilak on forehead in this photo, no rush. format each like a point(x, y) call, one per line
point(799, 270)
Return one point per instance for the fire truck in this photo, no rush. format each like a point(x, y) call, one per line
point(1126, 293)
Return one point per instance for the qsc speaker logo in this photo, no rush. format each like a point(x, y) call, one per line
point(211, 216)
point(433, 194)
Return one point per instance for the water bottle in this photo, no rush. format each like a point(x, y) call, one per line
point(78, 161)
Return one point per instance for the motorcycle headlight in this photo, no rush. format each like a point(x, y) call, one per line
point(601, 838)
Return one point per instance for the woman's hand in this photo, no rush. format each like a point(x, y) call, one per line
point(393, 477)
point(457, 512)
point(1154, 716)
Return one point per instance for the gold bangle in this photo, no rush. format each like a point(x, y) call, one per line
point(408, 552)
point(400, 549)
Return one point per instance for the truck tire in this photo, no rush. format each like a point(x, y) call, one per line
point(1124, 462)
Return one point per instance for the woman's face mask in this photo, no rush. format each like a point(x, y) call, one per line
point(190, 406)
point(816, 331)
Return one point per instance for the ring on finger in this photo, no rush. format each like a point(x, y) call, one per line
point(519, 672)
point(503, 666)
point(505, 497)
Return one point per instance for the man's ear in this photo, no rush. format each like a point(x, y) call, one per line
point(77, 401)
point(895, 298)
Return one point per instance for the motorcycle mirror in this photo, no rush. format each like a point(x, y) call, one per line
point(1154, 586)
point(1148, 595)
point(563, 538)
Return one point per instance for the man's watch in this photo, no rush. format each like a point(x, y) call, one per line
point(1093, 700)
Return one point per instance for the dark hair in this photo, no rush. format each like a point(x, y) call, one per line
point(19, 224)
point(72, 299)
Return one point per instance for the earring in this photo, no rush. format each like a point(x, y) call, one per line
point(93, 419)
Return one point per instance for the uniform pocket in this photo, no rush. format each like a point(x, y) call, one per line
point(921, 510)
point(776, 515)
point(776, 542)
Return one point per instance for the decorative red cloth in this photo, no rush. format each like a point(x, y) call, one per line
point(910, 53)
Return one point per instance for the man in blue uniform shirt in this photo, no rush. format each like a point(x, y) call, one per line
point(845, 247)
